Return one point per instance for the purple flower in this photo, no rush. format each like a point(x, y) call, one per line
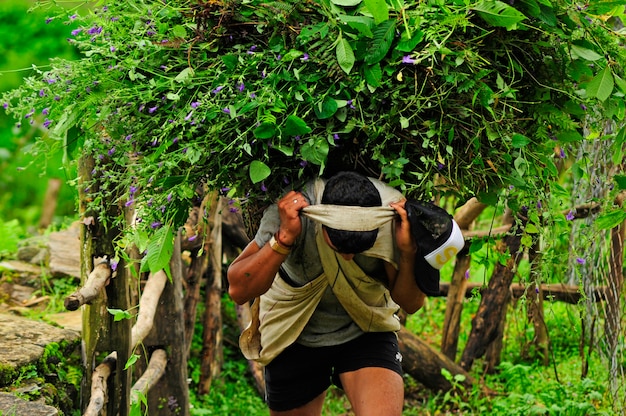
point(169, 197)
point(188, 116)
point(570, 215)
point(114, 265)
point(5, 105)
point(45, 111)
point(408, 60)
point(47, 123)
point(111, 151)
point(132, 189)
point(150, 32)
point(127, 138)
point(335, 137)
point(192, 238)
point(195, 104)
point(115, 19)
point(263, 187)
point(74, 16)
point(96, 30)
point(129, 202)
point(42, 93)
point(536, 289)
point(226, 110)
point(538, 204)
point(155, 225)
point(233, 209)
point(152, 109)
point(76, 31)
point(351, 105)
point(305, 57)
point(252, 49)
point(29, 115)
point(583, 107)
point(241, 87)
point(580, 260)
point(57, 98)
point(218, 89)
point(467, 274)
point(112, 48)
point(51, 80)
point(49, 19)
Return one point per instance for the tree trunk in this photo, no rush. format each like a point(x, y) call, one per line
point(486, 323)
point(211, 359)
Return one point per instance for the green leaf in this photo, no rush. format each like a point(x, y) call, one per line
point(620, 83)
point(569, 136)
point(160, 249)
point(381, 43)
point(378, 9)
point(119, 314)
point(499, 14)
point(408, 45)
point(362, 24)
point(584, 53)
point(295, 126)
point(519, 140)
point(131, 360)
point(346, 3)
point(259, 171)
point(611, 219)
point(266, 130)
point(179, 31)
point(315, 151)
point(345, 55)
point(184, 76)
point(326, 108)
point(373, 75)
point(621, 181)
point(601, 86)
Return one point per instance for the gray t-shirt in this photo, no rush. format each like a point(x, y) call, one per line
point(330, 323)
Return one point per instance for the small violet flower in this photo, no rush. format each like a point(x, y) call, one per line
point(155, 225)
point(45, 111)
point(195, 104)
point(152, 109)
point(408, 60)
point(570, 215)
point(218, 89)
point(226, 110)
point(241, 87)
point(47, 123)
point(305, 57)
point(76, 31)
point(580, 260)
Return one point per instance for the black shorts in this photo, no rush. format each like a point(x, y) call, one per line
point(299, 374)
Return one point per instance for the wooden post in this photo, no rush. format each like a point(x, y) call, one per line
point(211, 359)
point(99, 331)
point(170, 394)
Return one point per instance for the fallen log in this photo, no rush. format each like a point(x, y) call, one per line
point(425, 364)
point(97, 280)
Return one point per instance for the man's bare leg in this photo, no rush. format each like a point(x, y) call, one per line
point(374, 391)
point(312, 408)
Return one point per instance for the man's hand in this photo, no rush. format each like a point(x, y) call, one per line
point(404, 238)
point(289, 207)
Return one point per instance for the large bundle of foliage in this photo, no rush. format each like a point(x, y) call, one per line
point(249, 97)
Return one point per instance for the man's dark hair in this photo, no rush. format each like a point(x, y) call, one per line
point(353, 189)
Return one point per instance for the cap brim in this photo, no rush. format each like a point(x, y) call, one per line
point(426, 276)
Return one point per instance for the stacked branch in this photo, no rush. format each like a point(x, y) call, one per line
point(97, 280)
point(156, 367)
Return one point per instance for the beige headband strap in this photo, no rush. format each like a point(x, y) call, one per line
point(350, 218)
